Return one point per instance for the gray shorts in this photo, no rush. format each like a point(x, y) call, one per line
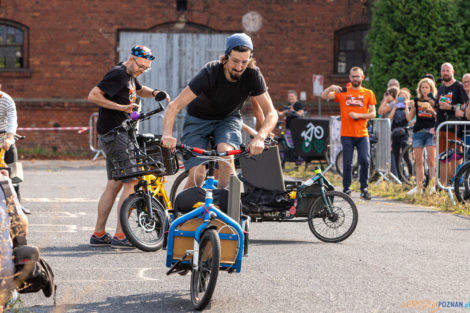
point(118, 149)
point(196, 133)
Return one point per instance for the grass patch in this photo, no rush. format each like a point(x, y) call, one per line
point(43, 153)
point(392, 191)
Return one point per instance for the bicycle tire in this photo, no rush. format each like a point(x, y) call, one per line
point(204, 279)
point(355, 165)
point(246, 235)
point(148, 235)
point(462, 183)
point(178, 185)
point(319, 213)
point(406, 177)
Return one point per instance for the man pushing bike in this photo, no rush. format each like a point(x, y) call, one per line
point(116, 95)
point(214, 98)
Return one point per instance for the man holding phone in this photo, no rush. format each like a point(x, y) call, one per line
point(357, 106)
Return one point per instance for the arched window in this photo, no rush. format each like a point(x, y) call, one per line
point(350, 48)
point(12, 46)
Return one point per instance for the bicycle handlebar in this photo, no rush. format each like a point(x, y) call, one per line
point(15, 136)
point(242, 151)
point(458, 142)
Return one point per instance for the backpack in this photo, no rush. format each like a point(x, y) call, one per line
point(399, 123)
point(32, 272)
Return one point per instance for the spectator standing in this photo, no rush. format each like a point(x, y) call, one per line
point(357, 106)
point(451, 98)
point(423, 133)
point(400, 134)
point(293, 110)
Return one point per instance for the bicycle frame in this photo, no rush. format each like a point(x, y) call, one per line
point(207, 213)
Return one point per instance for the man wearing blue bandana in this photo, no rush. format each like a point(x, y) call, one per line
point(116, 96)
point(213, 99)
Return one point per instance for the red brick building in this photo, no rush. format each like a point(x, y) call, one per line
point(53, 52)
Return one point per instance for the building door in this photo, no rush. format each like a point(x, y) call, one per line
point(178, 57)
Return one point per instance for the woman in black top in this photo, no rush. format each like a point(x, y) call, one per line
point(400, 135)
point(423, 133)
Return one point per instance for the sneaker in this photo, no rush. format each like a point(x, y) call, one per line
point(347, 191)
point(121, 244)
point(414, 191)
point(25, 210)
point(432, 190)
point(365, 195)
point(104, 240)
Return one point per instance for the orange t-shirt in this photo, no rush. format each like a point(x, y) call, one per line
point(354, 101)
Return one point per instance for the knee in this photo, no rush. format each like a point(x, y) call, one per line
point(114, 186)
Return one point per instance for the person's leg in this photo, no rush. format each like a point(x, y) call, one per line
point(363, 153)
point(227, 136)
point(431, 152)
point(11, 156)
point(128, 189)
point(348, 149)
point(396, 155)
point(105, 204)
point(196, 133)
point(418, 152)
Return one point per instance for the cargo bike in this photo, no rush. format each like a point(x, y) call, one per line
point(332, 216)
point(205, 239)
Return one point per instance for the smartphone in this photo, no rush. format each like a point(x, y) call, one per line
point(344, 89)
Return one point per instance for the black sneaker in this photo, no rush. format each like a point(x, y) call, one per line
point(365, 195)
point(104, 240)
point(121, 243)
point(347, 191)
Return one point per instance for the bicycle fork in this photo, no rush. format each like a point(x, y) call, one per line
point(148, 199)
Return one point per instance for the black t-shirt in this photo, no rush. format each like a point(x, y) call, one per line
point(217, 97)
point(119, 87)
point(293, 114)
point(424, 119)
point(456, 93)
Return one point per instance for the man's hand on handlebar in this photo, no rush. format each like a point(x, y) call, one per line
point(7, 144)
point(256, 146)
point(169, 142)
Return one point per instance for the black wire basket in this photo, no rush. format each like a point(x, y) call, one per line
point(149, 158)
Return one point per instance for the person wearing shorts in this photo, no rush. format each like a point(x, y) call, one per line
point(213, 99)
point(116, 97)
point(423, 133)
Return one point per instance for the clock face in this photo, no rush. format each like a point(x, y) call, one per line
point(252, 21)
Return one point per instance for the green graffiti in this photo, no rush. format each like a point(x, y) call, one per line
point(306, 146)
point(319, 145)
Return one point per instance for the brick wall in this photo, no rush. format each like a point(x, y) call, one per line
point(70, 47)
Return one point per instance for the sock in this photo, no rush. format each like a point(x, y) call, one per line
point(99, 233)
point(120, 236)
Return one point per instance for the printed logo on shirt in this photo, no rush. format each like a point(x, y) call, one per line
point(355, 101)
point(132, 94)
point(422, 105)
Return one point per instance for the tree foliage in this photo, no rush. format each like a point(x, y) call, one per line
point(409, 38)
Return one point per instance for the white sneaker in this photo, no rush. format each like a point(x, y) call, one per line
point(414, 191)
point(432, 190)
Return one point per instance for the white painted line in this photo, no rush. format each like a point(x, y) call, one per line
point(60, 200)
point(141, 274)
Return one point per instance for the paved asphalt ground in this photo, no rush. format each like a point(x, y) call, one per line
point(398, 253)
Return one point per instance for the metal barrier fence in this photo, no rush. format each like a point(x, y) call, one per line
point(94, 145)
point(382, 147)
point(452, 130)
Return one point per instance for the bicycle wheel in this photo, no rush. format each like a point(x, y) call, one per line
point(144, 233)
point(462, 183)
point(408, 173)
point(178, 185)
point(337, 225)
point(203, 279)
point(246, 233)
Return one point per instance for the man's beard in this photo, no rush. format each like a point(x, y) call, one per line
point(234, 76)
point(356, 84)
point(447, 79)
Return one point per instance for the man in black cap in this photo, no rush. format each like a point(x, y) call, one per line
point(213, 99)
point(116, 95)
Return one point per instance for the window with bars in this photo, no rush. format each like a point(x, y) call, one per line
point(350, 48)
point(181, 5)
point(12, 50)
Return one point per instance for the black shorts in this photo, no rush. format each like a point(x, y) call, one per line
point(119, 149)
